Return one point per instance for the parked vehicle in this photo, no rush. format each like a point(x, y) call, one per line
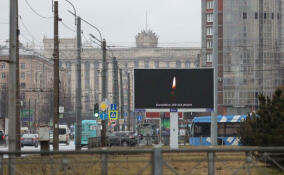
point(122, 138)
point(63, 134)
point(29, 140)
point(2, 138)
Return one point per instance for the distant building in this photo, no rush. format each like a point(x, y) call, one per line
point(36, 87)
point(250, 50)
point(146, 54)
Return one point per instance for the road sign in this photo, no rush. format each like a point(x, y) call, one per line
point(103, 116)
point(61, 109)
point(173, 110)
point(26, 113)
point(113, 115)
point(103, 106)
point(139, 117)
point(113, 107)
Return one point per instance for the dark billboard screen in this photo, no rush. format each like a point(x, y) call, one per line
point(174, 89)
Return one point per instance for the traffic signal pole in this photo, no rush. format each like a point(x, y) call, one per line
point(104, 90)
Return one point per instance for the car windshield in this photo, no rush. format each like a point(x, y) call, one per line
point(62, 131)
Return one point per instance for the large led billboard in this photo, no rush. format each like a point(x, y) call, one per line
point(170, 89)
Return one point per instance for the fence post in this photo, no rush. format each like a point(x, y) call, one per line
point(1, 164)
point(104, 162)
point(211, 165)
point(157, 161)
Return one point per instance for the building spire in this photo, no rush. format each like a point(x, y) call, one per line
point(146, 21)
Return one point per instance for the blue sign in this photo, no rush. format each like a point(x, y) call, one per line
point(173, 110)
point(103, 116)
point(113, 115)
point(125, 114)
point(139, 117)
point(113, 107)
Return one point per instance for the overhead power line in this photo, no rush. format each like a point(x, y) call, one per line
point(67, 27)
point(37, 12)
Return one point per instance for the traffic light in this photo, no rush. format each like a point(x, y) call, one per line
point(96, 110)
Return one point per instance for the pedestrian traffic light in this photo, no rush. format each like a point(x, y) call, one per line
point(96, 110)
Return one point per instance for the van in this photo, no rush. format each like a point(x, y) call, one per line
point(63, 134)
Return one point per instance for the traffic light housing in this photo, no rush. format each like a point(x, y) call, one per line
point(96, 110)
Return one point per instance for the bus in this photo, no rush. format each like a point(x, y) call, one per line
point(89, 129)
point(228, 130)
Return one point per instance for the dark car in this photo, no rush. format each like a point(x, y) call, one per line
point(122, 138)
point(29, 140)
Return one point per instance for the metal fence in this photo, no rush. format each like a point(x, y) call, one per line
point(156, 161)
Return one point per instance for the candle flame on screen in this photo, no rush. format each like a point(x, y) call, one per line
point(174, 83)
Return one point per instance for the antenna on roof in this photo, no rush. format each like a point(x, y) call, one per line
point(146, 21)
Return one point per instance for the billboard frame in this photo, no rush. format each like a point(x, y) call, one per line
point(173, 109)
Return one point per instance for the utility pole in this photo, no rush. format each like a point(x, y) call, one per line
point(121, 97)
point(104, 90)
point(18, 103)
point(56, 80)
point(78, 88)
point(30, 114)
point(35, 119)
point(128, 98)
point(12, 108)
point(115, 85)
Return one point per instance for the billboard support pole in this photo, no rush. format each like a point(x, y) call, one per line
point(215, 64)
point(174, 130)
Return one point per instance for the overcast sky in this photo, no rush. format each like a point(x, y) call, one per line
point(176, 22)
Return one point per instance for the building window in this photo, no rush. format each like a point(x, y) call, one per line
point(272, 15)
point(136, 64)
point(210, 4)
point(178, 64)
point(209, 17)
point(209, 57)
point(209, 43)
point(244, 15)
point(23, 66)
point(255, 15)
point(187, 64)
point(146, 64)
point(264, 15)
point(3, 75)
point(23, 76)
point(23, 85)
point(168, 64)
point(68, 66)
point(3, 66)
point(22, 96)
point(156, 63)
point(278, 16)
point(209, 30)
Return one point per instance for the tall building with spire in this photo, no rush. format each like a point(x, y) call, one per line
point(147, 54)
